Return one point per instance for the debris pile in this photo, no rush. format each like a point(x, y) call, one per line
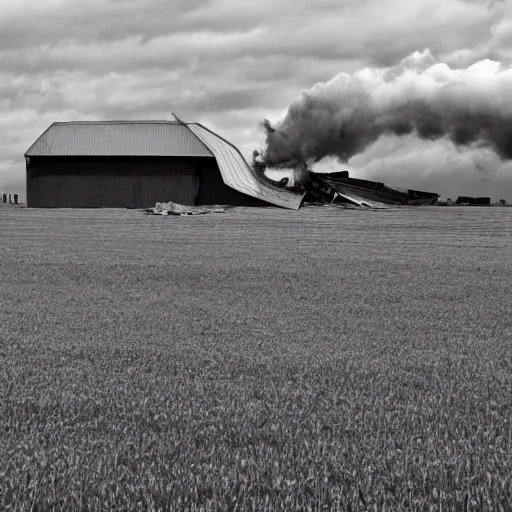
point(375, 191)
point(171, 208)
point(340, 188)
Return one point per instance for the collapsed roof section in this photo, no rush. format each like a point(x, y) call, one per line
point(238, 175)
point(339, 188)
point(380, 193)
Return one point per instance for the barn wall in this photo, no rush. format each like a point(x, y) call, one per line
point(213, 190)
point(131, 182)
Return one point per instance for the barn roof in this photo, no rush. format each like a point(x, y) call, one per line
point(238, 175)
point(118, 138)
point(160, 138)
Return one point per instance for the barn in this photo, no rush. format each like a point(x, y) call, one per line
point(135, 164)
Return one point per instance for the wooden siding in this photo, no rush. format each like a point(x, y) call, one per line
point(88, 182)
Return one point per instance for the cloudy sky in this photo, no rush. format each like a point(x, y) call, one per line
point(230, 64)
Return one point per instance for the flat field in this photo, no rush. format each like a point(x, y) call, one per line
point(259, 359)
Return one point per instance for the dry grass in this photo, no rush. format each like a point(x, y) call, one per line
point(256, 360)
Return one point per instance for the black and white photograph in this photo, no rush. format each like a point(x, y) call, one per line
point(255, 256)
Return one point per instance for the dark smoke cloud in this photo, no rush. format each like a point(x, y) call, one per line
point(419, 96)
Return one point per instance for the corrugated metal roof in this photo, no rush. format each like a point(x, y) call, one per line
point(118, 138)
point(237, 174)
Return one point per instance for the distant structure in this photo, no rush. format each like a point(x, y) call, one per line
point(9, 198)
point(135, 164)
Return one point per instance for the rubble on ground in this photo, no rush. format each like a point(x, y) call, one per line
point(339, 188)
point(171, 208)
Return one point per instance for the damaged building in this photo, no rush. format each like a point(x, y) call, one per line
point(135, 164)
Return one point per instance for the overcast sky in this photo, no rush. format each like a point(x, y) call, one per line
point(225, 63)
